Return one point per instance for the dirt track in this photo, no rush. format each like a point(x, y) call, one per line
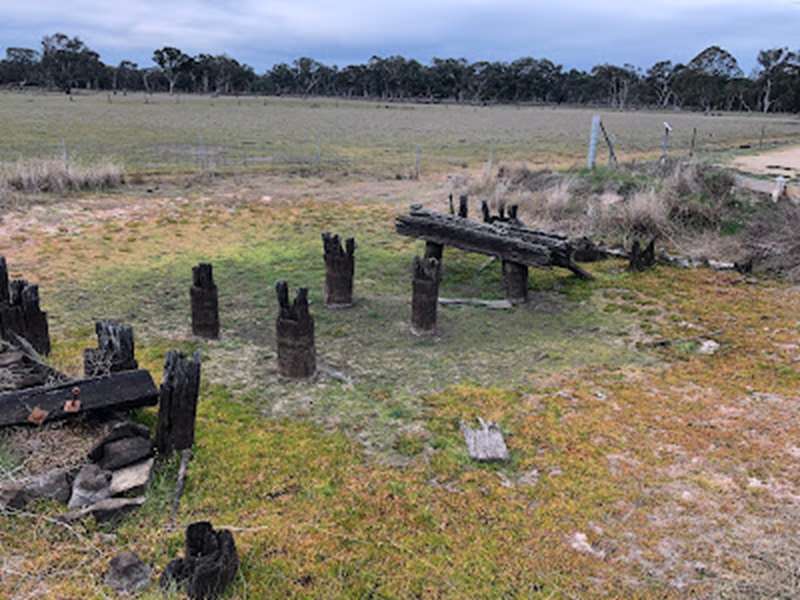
point(785, 161)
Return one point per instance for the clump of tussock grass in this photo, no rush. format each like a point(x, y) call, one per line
point(58, 176)
point(678, 201)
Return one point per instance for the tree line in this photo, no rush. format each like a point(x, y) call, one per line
point(712, 80)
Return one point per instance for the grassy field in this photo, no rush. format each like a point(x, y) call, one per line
point(163, 134)
point(640, 468)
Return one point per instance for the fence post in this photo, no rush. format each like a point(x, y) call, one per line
point(612, 156)
point(593, 142)
point(665, 141)
point(417, 161)
point(694, 141)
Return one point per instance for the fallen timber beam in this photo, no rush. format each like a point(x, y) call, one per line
point(506, 241)
point(118, 391)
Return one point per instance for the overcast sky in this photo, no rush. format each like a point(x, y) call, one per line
point(579, 33)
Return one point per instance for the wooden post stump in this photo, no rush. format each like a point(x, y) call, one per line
point(177, 403)
point(339, 271)
point(210, 564)
point(22, 316)
point(425, 296)
point(463, 206)
point(297, 354)
point(641, 260)
point(4, 291)
point(115, 350)
point(434, 250)
point(515, 282)
point(205, 302)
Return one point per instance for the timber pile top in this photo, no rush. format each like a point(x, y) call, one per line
point(507, 241)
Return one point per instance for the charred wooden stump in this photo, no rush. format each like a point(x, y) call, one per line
point(177, 403)
point(115, 350)
point(21, 314)
point(501, 216)
point(4, 291)
point(425, 296)
point(641, 260)
point(205, 302)
point(463, 206)
point(339, 271)
point(210, 564)
point(434, 250)
point(515, 282)
point(297, 354)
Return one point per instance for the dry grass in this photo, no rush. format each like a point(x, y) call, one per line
point(692, 207)
point(58, 176)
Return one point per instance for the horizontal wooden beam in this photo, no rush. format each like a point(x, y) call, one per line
point(124, 390)
point(506, 241)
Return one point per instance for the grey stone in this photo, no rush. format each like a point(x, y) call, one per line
point(486, 443)
point(127, 573)
point(53, 485)
point(91, 485)
point(12, 495)
point(126, 429)
point(105, 510)
point(124, 452)
point(132, 479)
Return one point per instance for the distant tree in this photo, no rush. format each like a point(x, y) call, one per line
point(67, 62)
point(618, 82)
point(660, 79)
point(126, 75)
point(778, 67)
point(20, 66)
point(172, 63)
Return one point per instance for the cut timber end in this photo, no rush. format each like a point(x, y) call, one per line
point(339, 270)
point(486, 443)
point(425, 296)
point(177, 407)
point(115, 350)
point(297, 354)
point(205, 302)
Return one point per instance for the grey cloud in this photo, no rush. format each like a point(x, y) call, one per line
point(581, 33)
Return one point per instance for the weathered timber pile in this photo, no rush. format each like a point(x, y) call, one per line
point(339, 270)
point(294, 333)
point(38, 405)
point(205, 302)
point(210, 564)
point(115, 350)
point(504, 240)
point(20, 313)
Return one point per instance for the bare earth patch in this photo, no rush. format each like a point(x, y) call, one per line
point(784, 161)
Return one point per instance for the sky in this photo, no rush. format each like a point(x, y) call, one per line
point(576, 33)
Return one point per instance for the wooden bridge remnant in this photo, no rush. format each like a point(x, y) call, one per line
point(508, 240)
